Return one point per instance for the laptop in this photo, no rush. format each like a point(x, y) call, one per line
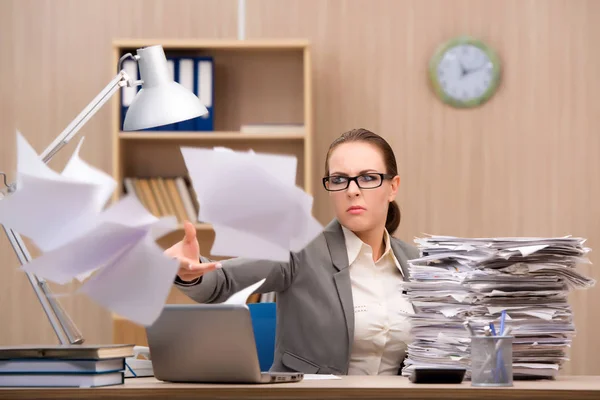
point(208, 343)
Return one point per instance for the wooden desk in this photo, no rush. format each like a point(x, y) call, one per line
point(375, 387)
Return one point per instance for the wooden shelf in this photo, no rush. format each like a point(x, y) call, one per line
point(174, 44)
point(201, 227)
point(208, 136)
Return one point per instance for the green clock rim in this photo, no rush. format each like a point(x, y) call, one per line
point(439, 54)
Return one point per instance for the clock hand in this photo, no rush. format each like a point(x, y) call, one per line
point(468, 71)
point(463, 70)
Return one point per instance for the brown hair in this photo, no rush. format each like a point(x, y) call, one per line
point(363, 135)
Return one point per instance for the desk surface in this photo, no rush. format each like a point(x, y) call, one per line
point(365, 387)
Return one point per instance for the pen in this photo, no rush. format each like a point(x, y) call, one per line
point(502, 319)
point(493, 329)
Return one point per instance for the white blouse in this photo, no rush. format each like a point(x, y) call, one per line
point(380, 333)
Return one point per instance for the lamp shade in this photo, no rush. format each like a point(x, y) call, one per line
point(160, 101)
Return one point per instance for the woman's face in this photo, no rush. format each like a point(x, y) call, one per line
point(359, 209)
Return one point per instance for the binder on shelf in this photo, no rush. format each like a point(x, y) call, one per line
point(205, 90)
point(187, 79)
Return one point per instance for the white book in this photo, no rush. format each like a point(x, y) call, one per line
point(283, 129)
point(187, 199)
point(129, 187)
point(60, 366)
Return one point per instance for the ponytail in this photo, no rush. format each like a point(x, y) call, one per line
point(392, 220)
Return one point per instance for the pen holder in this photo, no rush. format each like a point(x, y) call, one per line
point(491, 361)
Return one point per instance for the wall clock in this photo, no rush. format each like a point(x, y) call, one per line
point(464, 72)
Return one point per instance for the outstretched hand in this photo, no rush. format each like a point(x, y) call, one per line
point(187, 251)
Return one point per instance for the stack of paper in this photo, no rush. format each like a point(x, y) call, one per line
point(458, 279)
point(252, 201)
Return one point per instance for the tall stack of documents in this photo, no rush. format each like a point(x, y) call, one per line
point(474, 279)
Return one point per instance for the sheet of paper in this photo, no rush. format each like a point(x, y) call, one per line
point(528, 250)
point(252, 201)
point(320, 377)
point(230, 242)
point(241, 297)
point(135, 286)
point(30, 163)
point(80, 171)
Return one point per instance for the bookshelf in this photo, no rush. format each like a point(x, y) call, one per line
point(255, 82)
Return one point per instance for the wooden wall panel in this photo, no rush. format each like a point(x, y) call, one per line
point(56, 56)
point(527, 163)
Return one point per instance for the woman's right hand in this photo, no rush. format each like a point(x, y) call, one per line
point(187, 251)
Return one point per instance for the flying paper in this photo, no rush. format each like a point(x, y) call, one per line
point(251, 199)
point(241, 297)
point(115, 248)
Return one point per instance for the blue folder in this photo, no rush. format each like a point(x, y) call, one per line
point(264, 322)
point(204, 83)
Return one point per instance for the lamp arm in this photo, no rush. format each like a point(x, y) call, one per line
point(120, 80)
point(66, 331)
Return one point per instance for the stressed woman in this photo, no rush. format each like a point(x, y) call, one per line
point(339, 300)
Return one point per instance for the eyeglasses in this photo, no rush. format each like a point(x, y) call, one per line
point(336, 183)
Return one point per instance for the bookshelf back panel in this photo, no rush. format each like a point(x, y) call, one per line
point(254, 86)
point(162, 158)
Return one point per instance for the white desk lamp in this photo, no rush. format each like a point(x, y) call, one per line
point(161, 101)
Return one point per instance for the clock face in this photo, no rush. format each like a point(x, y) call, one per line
point(465, 73)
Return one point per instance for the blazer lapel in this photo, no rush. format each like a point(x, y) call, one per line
point(339, 258)
point(402, 259)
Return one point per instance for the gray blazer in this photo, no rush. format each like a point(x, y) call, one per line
point(315, 311)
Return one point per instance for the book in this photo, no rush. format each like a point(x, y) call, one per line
point(186, 198)
point(61, 366)
point(61, 380)
point(173, 194)
point(73, 352)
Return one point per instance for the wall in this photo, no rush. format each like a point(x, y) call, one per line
point(527, 163)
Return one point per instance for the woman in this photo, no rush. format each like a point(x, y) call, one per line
point(339, 300)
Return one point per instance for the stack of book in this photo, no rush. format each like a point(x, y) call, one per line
point(165, 196)
point(460, 279)
point(63, 365)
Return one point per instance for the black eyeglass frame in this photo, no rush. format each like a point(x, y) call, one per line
point(355, 179)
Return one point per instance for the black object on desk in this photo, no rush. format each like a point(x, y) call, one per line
point(438, 375)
